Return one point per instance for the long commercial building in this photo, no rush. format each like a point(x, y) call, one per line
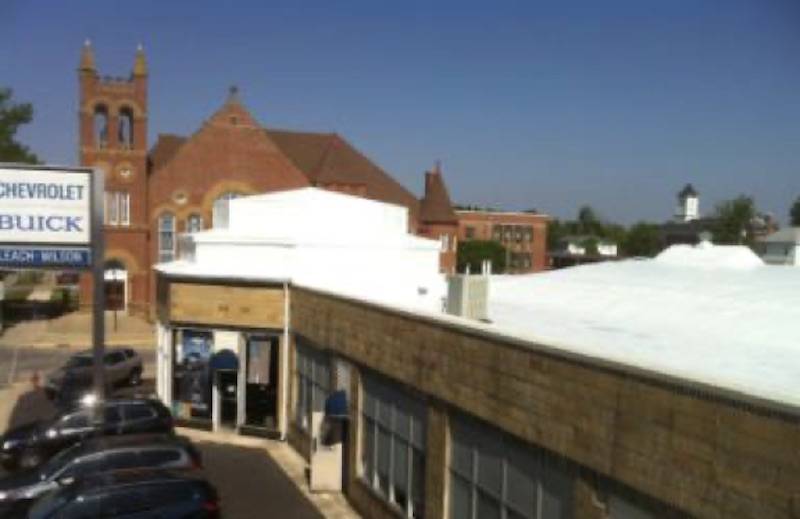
point(560, 407)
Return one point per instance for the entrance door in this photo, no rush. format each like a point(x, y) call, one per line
point(115, 278)
point(261, 389)
point(227, 391)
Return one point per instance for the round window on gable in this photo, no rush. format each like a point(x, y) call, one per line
point(180, 198)
point(125, 172)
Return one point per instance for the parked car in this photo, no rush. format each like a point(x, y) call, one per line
point(121, 366)
point(94, 456)
point(29, 445)
point(132, 494)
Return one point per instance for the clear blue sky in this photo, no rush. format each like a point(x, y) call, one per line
point(551, 105)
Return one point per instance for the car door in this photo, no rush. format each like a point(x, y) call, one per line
point(115, 366)
point(139, 418)
point(71, 428)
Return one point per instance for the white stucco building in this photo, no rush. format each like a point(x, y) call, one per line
point(782, 247)
point(320, 239)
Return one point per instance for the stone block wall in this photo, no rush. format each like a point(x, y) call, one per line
point(681, 448)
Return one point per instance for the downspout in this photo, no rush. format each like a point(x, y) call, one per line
point(283, 412)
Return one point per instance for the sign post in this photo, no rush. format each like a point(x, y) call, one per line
point(52, 218)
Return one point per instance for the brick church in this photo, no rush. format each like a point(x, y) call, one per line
point(154, 196)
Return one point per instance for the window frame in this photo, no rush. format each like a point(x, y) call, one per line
point(411, 410)
point(166, 254)
point(546, 473)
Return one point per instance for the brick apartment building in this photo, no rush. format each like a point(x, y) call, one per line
point(154, 196)
point(524, 236)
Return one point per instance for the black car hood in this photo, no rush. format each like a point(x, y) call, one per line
point(26, 431)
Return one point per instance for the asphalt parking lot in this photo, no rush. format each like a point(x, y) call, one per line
point(249, 482)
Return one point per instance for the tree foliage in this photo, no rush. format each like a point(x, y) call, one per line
point(734, 220)
point(794, 213)
point(474, 252)
point(12, 116)
point(642, 239)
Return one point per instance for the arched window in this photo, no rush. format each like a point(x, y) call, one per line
point(219, 212)
point(194, 223)
point(166, 237)
point(125, 128)
point(115, 276)
point(100, 130)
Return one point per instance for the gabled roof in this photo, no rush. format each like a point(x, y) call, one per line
point(435, 206)
point(164, 149)
point(327, 158)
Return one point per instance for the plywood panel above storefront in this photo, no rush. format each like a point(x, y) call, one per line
point(209, 305)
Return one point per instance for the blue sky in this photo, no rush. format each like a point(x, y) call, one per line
point(528, 104)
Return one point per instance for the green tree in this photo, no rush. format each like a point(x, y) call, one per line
point(588, 220)
point(473, 253)
point(733, 221)
point(12, 116)
point(794, 213)
point(642, 239)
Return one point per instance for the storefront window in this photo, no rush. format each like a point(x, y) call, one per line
point(192, 377)
point(495, 475)
point(313, 382)
point(393, 449)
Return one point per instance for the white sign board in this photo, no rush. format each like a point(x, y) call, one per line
point(45, 206)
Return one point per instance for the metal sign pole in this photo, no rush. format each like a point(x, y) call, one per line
point(99, 303)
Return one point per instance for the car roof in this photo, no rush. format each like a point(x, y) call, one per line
point(127, 441)
point(77, 407)
point(137, 476)
point(104, 481)
point(116, 349)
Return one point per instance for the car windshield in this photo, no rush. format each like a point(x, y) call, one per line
point(55, 463)
point(79, 362)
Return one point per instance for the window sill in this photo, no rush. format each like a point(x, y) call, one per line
point(388, 506)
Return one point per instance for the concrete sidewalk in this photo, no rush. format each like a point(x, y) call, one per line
point(330, 504)
point(74, 330)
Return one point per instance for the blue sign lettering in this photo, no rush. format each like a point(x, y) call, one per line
point(33, 257)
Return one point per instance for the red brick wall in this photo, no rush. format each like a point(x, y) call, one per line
point(483, 222)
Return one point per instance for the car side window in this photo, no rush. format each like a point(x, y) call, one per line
point(135, 412)
point(122, 460)
point(114, 358)
point(82, 466)
point(130, 353)
point(155, 458)
point(73, 421)
point(112, 416)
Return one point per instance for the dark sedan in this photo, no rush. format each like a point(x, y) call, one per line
point(29, 445)
point(131, 494)
point(96, 456)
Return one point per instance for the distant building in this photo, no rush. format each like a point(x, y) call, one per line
point(687, 225)
point(183, 183)
point(688, 204)
point(577, 250)
point(781, 248)
point(524, 236)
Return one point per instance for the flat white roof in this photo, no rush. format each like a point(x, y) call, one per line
point(715, 315)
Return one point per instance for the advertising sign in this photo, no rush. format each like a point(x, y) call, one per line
point(45, 217)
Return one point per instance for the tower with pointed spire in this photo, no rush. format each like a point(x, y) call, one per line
point(112, 123)
point(437, 219)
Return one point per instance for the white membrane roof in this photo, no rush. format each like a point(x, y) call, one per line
point(715, 315)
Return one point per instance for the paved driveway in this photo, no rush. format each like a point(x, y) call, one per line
point(251, 485)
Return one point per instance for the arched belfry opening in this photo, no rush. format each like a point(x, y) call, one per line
point(100, 126)
point(125, 127)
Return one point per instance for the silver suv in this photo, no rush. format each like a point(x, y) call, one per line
point(123, 366)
